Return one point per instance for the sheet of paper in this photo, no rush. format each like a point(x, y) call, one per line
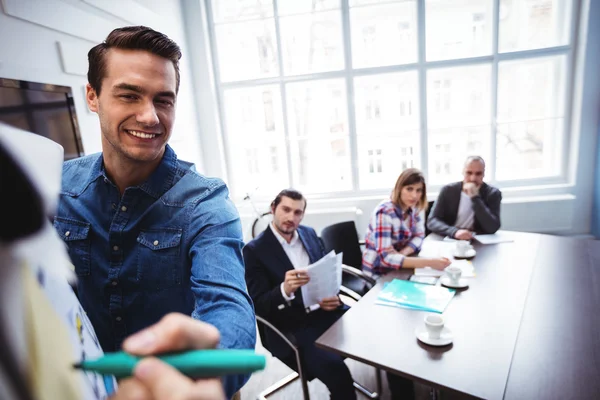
point(498, 237)
point(468, 271)
point(325, 279)
point(436, 249)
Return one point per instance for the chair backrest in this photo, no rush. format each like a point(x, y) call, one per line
point(342, 237)
point(427, 211)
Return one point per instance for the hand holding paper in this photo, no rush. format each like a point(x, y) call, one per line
point(325, 279)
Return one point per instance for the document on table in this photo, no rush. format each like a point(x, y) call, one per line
point(498, 237)
point(468, 271)
point(325, 279)
point(436, 249)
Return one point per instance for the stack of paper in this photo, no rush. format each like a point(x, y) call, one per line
point(325, 279)
point(416, 296)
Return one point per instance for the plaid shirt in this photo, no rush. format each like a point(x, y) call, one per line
point(390, 230)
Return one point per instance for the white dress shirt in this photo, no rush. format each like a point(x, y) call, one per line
point(466, 216)
point(296, 253)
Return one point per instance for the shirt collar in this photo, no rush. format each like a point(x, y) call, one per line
point(159, 181)
point(281, 239)
point(403, 214)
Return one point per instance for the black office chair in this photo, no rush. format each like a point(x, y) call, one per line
point(342, 237)
point(294, 360)
point(427, 212)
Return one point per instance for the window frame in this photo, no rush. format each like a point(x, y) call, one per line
point(422, 66)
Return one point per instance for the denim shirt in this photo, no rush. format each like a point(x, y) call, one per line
point(171, 244)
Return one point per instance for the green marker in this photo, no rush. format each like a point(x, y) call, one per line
point(194, 364)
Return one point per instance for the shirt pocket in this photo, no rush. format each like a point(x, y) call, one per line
point(159, 258)
point(76, 235)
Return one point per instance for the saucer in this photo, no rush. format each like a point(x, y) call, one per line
point(469, 254)
point(444, 339)
point(461, 284)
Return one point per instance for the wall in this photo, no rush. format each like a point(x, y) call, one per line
point(47, 41)
point(596, 205)
point(561, 208)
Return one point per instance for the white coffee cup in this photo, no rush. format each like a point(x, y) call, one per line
point(462, 247)
point(454, 273)
point(434, 324)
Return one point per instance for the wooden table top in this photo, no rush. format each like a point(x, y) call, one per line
point(494, 319)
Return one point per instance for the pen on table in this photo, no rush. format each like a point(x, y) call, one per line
point(194, 364)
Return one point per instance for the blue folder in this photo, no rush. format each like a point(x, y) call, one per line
point(414, 295)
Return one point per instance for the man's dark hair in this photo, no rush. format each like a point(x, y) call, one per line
point(131, 38)
point(291, 193)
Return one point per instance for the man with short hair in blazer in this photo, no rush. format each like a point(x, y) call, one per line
point(274, 273)
point(468, 207)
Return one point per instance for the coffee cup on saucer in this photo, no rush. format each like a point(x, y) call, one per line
point(462, 248)
point(434, 324)
point(454, 273)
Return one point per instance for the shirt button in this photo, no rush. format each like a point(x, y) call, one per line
point(123, 208)
point(116, 248)
point(119, 319)
point(156, 243)
point(67, 233)
point(114, 283)
point(114, 206)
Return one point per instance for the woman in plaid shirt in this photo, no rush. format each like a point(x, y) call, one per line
point(397, 228)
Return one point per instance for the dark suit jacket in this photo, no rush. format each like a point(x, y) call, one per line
point(266, 265)
point(445, 210)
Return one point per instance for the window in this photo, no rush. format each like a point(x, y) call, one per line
point(339, 96)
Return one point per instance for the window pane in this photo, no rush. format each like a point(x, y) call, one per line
point(312, 43)
point(459, 96)
point(318, 128)
point(534, 24)
point(387, 125)
point(247, 50)
point(449, 147)
point(384, 34)
point(239, 10)
point(287, 7)
point(458, 28)
point(531, 108)
point(382, 158)
point(255, 139)
point(458, 118)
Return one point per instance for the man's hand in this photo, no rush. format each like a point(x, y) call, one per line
point(294, 278)
point(463, 234)
point(330, 303)
point(471, 189)
point(155, 380)
point(439, 263)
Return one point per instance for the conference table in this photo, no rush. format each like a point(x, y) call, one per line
point(527, 327)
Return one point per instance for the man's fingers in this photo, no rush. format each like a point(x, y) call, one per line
point(165, 382)
point(173, 332)
point(132, 389)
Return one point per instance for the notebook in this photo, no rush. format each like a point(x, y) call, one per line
point(415, 295)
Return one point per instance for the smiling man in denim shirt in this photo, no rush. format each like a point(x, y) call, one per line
point(147, 234)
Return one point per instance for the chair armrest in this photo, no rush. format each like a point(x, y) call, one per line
point(289, 339)
point(350, 293)
point(358, 273)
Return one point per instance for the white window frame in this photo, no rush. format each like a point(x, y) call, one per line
point(421, 66)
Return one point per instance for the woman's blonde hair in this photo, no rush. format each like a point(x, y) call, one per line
point(410, 176)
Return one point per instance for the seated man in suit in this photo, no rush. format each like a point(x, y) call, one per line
point(467, 207)
point(274, 273)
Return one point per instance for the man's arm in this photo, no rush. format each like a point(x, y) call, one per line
point(217, 276)
point(488, 215)
point(268, 298)
point(437, 218)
